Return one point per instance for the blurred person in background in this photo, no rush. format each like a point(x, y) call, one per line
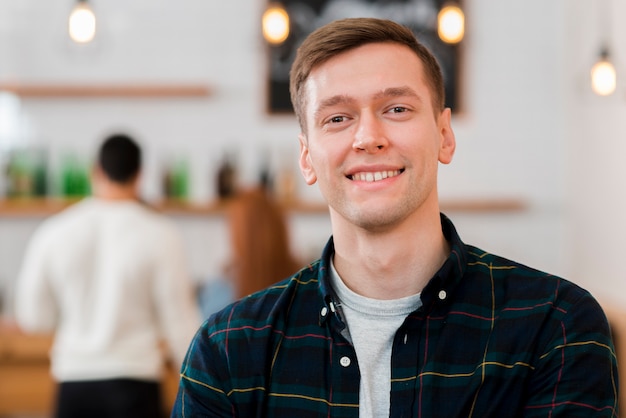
point(260, 250)
point(108, 277)
point(260, 242)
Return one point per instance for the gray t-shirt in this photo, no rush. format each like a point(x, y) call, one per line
point(373, 324)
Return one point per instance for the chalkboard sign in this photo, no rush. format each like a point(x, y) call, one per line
point(308, 15)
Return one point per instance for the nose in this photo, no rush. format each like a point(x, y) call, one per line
point(370, 135)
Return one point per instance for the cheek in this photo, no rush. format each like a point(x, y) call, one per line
point(325, 170)
point(327, 157)
point(325, 162)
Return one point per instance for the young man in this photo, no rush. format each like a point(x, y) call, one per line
point(107, 276)
point(399, 318)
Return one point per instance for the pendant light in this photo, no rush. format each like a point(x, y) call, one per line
point(275, 24)
point(82, 23)
point(603, 75)
point(451, 23)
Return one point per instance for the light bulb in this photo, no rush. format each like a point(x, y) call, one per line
point(82, 23)
point(275, 24)
point(603, 77)
point(451, 24)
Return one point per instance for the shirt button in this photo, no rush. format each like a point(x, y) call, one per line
point(442, 294)
point(345, 361)
point(324, 312)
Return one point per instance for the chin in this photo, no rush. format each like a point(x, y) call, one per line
point(378, 221)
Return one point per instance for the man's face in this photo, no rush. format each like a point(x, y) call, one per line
point(373, 142)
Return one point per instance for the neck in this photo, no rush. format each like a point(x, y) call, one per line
point(391, 264)
point(109, 190)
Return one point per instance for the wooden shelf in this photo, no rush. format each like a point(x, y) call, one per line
point(39, 207)
point(217, 207)
point(483, 205)
point(129, 90)
point(32, 206)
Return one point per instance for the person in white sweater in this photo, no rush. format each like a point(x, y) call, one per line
point(108, 277)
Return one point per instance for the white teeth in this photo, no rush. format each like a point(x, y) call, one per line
point(375, 176)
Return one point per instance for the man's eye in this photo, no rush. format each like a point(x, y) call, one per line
point(336, 119)
point(398, 109)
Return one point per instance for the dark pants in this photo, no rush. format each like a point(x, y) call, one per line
point(115, 398)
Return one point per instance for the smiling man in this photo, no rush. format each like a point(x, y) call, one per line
point(399, 317)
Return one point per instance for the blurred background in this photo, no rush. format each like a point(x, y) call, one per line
point(539, 170)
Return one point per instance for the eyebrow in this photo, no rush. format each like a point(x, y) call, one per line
point(402, 91)
point(332, 101)
point(398, 92)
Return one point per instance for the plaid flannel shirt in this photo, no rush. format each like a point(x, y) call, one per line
point(493, 339)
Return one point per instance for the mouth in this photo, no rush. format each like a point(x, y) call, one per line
point(373, 176)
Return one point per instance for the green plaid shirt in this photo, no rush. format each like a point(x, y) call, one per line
point(493, 339)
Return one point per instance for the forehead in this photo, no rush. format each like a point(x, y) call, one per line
point(366, 71)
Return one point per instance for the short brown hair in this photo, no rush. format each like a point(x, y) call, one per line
point(346, 34)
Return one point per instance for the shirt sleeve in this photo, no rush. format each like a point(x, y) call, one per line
point(35, 307)
point(202, 390)
point(576, 373)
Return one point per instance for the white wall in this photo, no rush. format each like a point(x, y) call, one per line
point(530, 127)
point(512, 129)
point(595, 132)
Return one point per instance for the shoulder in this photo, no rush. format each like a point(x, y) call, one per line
point(242, 336)
point(490, 280)
point(273, 305)
point(57, 225)
point(528, 305)
point(286, 306)
point(520, 277)
point(519, 288)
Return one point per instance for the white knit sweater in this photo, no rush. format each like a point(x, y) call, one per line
point(109, 279)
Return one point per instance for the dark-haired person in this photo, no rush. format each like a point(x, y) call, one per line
point(108, 277)
point(399, 317)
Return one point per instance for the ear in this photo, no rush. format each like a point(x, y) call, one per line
point(447, 143)
point(306, 167)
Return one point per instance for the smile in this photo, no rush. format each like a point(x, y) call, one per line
point(375, 175)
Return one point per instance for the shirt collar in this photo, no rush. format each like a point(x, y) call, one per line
point(443, 284)
point(328, 308)
point(438, 289)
